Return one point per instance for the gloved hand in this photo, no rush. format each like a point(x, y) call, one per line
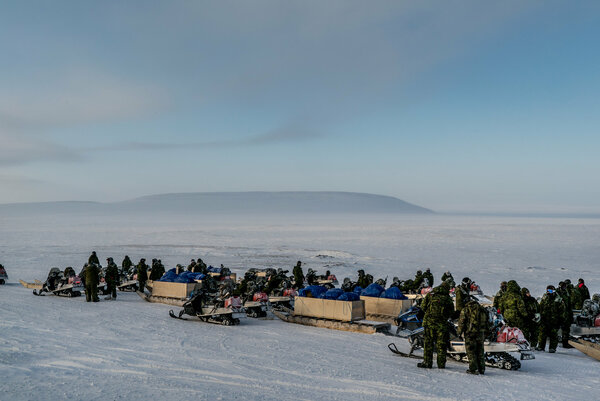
point(537, 318)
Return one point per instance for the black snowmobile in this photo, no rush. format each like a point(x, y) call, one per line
point(212, 309)
point(59, 283)
point(128, 280)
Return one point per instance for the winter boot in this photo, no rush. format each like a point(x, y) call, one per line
point(567, 345)
point(472, 372)
point(552, 350)
point(423, 365)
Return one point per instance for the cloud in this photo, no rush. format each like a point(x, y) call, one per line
point(17, 181)
point(18, 149)
point(285, 134)
point(78, 96)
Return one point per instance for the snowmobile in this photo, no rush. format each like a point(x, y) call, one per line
point(58, 283)
point(128, 280)
point(497, 354)
point(410, 320)
point(3, 275)
point(212, 309)
point(256, 306)
point(586, 322)
point(255, 300)
point(328, 280)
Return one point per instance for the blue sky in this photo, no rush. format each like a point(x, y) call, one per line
point(461, 106)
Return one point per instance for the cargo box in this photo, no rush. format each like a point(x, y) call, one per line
point(345, 311)
point(173, 290)
point(385, 307)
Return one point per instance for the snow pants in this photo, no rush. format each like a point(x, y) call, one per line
point(91, 292)
point(545, 332)
point(475, 354)
point(437, 335)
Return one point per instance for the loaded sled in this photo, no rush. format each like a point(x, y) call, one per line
point(59, 283)
point(227, 312)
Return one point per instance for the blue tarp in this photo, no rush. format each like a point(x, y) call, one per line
point(315, 290)
point(169, 276)
point(373, 290)
point(357, 290)
point(185, 277)
point(189, 277)
point(214, 269)
point(393, 293)
point(333, 293)
point(349, 296)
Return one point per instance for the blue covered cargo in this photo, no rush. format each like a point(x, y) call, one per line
point(349, 296)
point(315, 290)
point(373, 290)
point(393, 293)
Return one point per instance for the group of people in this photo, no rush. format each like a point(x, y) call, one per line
point(538, 321)
point(92, 271)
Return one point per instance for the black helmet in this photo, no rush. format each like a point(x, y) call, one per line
point(361, 272)
point(466, 280)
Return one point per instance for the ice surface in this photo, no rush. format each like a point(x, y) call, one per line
point(59, 348)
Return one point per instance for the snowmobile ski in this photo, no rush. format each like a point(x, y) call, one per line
point(174, 316)
point(392, 347)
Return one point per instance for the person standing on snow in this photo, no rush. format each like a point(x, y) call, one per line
point(93, 259)
point(112, 278)
point(498, 297)
point(298, 276)
point(126, 265)
point(532, 320)
point(462, 293)
point(552, 312)
point(473, 325)
point(567, 319)
point(512, 306)
point(438, 308)
point(91, 273)
point(584, 293)
point(142, 274)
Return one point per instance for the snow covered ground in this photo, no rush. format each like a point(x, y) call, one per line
point(59, 348)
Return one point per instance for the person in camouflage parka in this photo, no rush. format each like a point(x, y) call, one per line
point(512, 306)
point(530, 328)
point(158, 270)
point(142, 274)
point(499, 294)
point(92, 279)
point(298, 276)
point(552, 310)
point(126, 264)
point(438, 308)
point(429, 276)
point(473, 326)
point(447, 277)
point(462, 295)
point(112, 277)
point(567, 320)
point(575, 295)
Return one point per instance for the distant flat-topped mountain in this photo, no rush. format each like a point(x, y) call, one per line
point(235, 202)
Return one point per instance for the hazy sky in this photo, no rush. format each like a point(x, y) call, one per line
point(463, 105)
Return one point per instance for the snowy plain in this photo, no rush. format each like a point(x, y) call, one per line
point(58, 348)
